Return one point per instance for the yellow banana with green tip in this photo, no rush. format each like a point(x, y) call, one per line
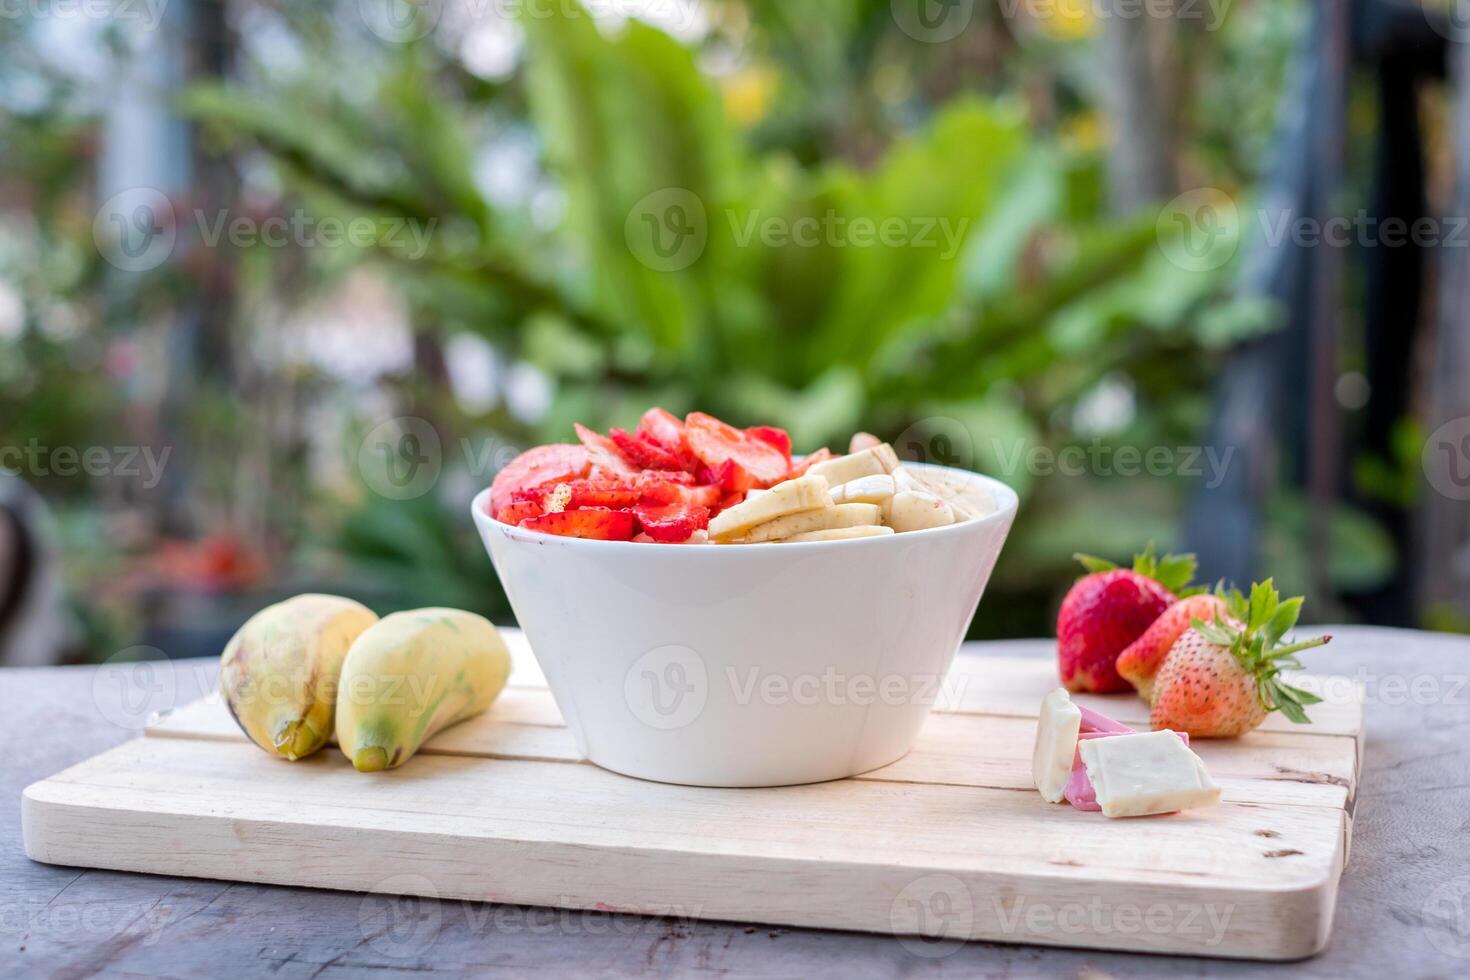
point(413, 674)
point(279, 672)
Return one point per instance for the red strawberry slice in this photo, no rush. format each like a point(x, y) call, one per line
point(535, 467)
point(800, 465)
point(645, 453)
point(714, 442)
point(774, 437)
point(612, 494)
point(663, 428)
point(734, 478)
point(519, 511)
point(672, 523)
point(666, 492)
point(604, 455)
point(589, 522)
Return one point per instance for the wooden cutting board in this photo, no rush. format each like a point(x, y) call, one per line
point(949, 843)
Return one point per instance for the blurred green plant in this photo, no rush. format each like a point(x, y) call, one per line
point(1005, 295)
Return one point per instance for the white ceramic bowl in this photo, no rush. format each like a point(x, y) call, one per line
point(749, 665)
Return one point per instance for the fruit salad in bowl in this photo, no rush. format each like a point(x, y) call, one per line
point(683, 646)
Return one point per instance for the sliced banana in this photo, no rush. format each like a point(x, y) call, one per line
point(838, 534)
point(867, 490)
point(968, 501)
point(876, 461)
point(915, 510)
point(807, 522)
point(792, 497)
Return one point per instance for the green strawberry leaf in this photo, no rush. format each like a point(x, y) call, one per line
point(1212, 631)
point(1284, 620)
point(1175, 572)
point(1094, 564)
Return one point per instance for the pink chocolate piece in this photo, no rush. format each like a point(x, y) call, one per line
point(1079, 791)
point(1093, 721)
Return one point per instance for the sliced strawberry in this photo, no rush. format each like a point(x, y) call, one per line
point(612, 494)
point(535, 467)
point(714, 442)
point(589, 522)
point(604, 455)
point(645, 453)
point(734, 478)
point(664, 429)
point(672, 523)
point(666, 492)
point(800, 465)
point(774, 437)
point(519, 511)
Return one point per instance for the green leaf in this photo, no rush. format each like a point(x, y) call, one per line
point(1095, 564)
point(1284, 620)
point(1263, 601)
point(1177, 571)
point(1214, 632)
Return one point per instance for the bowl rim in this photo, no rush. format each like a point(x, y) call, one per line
point(1006, 497)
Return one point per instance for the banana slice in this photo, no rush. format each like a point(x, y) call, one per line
point(968, 501)
point(838, 534)
point(868, 490)
point(876, 461)
point(827, 519)
point(915, 510)
point(792, 497)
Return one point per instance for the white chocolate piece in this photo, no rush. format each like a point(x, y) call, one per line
point(839, 534)
point(915, 510)
point(826, 519)
point(1056, 745)
point(792, 497)
point(878, 489)
point(1148, 773)
point(870, 462)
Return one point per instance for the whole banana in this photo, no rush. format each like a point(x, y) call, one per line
point(411, 675)
point(279, 672)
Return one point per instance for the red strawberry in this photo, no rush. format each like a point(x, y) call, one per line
point(519, 511)
point(645, 453)
point(672, 523)
point(612, 494)
point(800, 465)
point(1222, 679)
point(664, 429)
point(714, 442)
point(1109, 609)
point(774, 437)
point(589, 522)
point(1141, 660)
point(731, 477)
point(535, 467)
point(604, 455)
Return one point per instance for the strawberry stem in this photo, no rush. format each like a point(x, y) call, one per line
point(1287, 651)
